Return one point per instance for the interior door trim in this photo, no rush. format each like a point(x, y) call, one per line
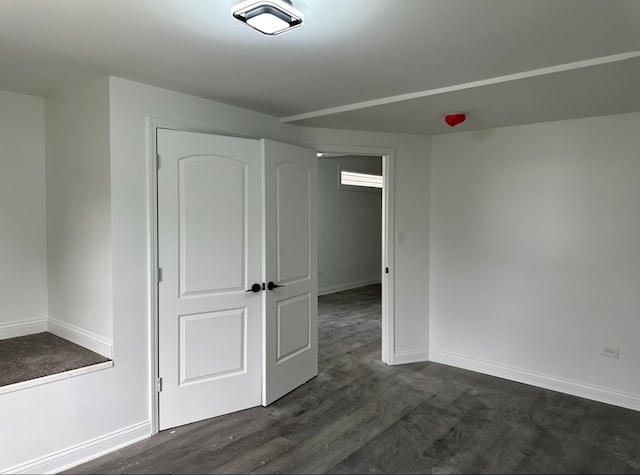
point(153, 124)
point(388, 291)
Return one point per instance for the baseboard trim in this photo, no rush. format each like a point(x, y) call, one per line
point(405, 357)
point(554, 383)
point(347, 286)
point(22, 328)
point(81, 337)
point(81, 453)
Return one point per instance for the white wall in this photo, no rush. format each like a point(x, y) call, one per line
point(534, 254)
point(78, 209)
point(83, 416)
point(23, 261)
point(349, 226)
point(54, 424)
point(131, 178)
point(411, 273)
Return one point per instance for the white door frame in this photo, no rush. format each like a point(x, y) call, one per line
point(153, 124)
point(388, 233)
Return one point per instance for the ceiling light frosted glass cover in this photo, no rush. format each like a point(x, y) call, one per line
point(271, 17)
point(267, 23)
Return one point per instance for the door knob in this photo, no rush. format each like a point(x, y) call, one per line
point(272, 286)
point(255, 288)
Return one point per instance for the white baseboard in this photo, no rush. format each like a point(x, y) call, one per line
point(81, 337)
point(404, 357)
point(22, 328)
point(347, 286)
point(64, 330)
point(563, 385)
point(81, 453)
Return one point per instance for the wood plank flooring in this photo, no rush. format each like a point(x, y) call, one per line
point(361, 416)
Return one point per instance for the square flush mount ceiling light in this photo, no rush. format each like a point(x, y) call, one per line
point(271, 17)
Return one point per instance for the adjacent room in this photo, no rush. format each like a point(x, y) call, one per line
point(232, 242)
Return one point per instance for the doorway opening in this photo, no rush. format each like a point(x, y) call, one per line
point(385, 264)
point(349, 221)
point(354, 258)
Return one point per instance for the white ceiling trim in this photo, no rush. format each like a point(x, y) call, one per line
point(469, 85)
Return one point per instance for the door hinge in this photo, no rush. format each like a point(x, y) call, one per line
point(159, 274)
point(386, 270)
point(158, 385)
point(157, 162)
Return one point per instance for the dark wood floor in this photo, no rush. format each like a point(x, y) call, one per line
point(361, 416)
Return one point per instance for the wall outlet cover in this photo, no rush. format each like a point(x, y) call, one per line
point(610, 351)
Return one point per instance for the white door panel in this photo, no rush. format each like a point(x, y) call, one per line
point(209, 248)
point(211, 261)
point(293, 320)
point(292, 187)
point(291, 311)
point(211, 345)
point(223, 226)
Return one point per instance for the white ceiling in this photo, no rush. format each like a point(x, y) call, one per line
point(381, 65)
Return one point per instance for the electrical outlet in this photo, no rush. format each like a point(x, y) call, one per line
point(610, 351)
point(319, 274)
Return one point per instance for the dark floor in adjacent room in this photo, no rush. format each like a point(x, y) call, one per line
point(33, 356)
point(361, 416)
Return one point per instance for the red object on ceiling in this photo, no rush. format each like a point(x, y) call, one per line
point(455, 119)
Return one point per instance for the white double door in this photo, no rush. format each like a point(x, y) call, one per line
point(234, 213)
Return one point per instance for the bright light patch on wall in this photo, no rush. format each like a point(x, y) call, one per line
point(360, 179)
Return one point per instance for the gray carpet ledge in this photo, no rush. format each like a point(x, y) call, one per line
point(33, 356)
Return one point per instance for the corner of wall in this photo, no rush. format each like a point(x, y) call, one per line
point(78, 208)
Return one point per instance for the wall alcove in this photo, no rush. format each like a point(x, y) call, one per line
point(55, 307)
